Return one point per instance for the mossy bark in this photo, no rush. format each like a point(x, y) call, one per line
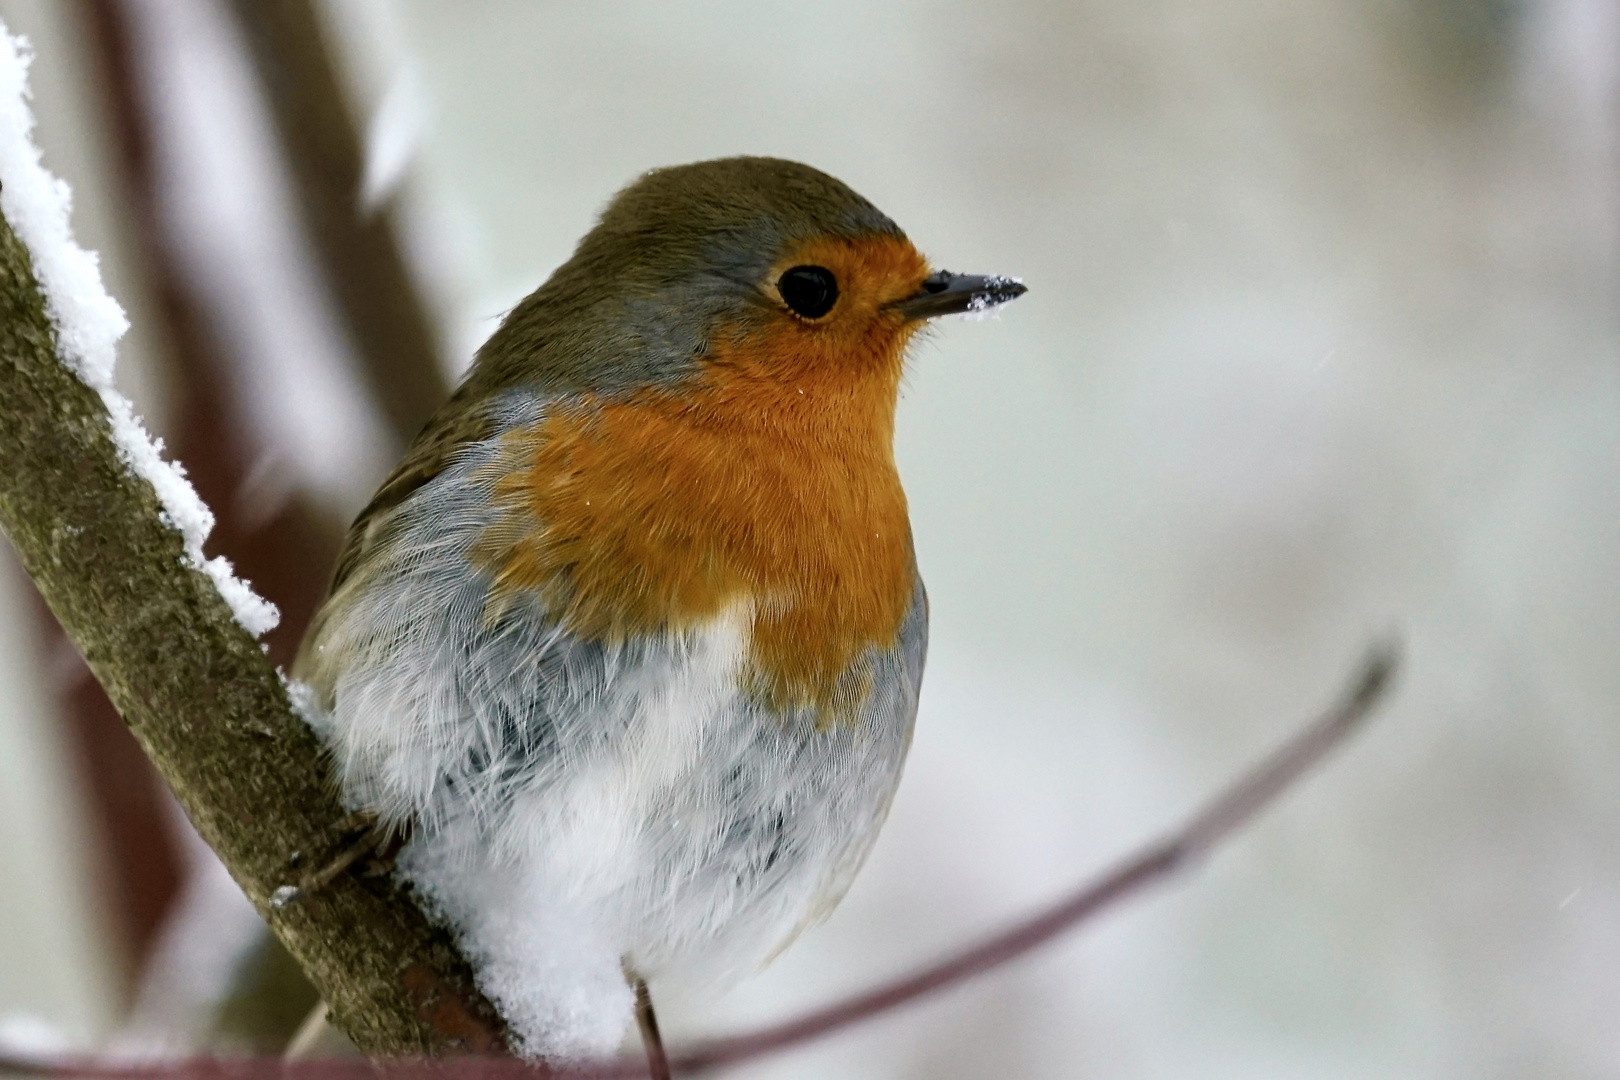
point(203, 700)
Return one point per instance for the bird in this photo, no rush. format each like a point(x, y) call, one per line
point(629, 643)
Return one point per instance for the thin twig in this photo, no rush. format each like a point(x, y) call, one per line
point(1230, 811)
point(1219, 820)
point(657, 1060)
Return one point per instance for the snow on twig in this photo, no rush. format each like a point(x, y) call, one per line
point(89, 322)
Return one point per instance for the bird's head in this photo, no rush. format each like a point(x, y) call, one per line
point(746, 261)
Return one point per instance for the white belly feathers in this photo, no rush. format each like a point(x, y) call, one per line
point(579, 808)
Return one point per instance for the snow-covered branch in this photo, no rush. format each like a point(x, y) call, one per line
point(113, 536)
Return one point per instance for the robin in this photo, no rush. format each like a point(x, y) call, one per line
point(630, 642)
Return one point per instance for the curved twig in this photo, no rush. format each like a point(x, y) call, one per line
point(1227, 813)
point(1219, 819)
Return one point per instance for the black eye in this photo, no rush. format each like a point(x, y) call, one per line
point(811, 291)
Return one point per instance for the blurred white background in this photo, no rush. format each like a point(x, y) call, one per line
point(1322, 340)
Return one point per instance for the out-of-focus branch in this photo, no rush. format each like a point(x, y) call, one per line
point(360, 253)
point(127, 805)
point(1225, 815)
point(283, 544)
point(202, 698)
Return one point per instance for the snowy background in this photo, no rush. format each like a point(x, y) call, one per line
point(1323, 338)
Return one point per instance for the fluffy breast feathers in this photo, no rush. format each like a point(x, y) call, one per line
point(566, 769)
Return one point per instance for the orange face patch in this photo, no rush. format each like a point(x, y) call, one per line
point(872, 273)
point(768, 480)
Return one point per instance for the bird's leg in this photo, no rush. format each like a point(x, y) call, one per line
point(367, 837)
point(657, 1060)
point(385, 851)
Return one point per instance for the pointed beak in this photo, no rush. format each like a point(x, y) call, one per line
point(945, 293)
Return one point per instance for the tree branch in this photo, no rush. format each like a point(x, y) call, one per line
point(202, 698)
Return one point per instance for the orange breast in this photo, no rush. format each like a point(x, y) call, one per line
point(769, 482)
